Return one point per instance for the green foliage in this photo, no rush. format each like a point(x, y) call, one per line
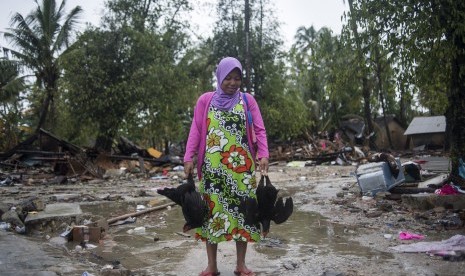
point(427, 39)
point(133, 78)
point(138, 75)
point(322, 71)
point(11, 85)
point(267, 70)
point(285, 116)
point(147, 15)
point(414, 36)
point(39, 41)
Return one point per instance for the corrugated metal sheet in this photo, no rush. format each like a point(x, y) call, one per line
point(420, 125)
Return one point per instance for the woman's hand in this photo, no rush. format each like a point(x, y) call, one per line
point(188, 168)
point(263, 166)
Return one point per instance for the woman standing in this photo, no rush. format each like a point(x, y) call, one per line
point(225, 126)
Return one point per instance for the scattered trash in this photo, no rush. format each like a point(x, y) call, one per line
point(67, 232)
point(178, 168)
point(290, 265)
point(447, 189)
point(455, 243)
point(377, 177)
point(412, 171)
point(452, 221)
point(410, 236)
point(140, 207)
point(125, 221)
point(454, 256)
point(297, 164)
point(5, 225)
point(272, 242)
point(8, 181)
point(20, 229)
point(83, 233)
point(159, 177)
point(138, 230)
point(367, 198)
point(461, 168)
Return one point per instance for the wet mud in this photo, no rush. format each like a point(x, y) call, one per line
point(160, 249)
point(320, 238)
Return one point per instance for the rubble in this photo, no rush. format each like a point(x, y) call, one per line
point(43, 157)
point(44, 189)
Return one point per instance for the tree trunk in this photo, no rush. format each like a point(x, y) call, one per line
point(381, 96)
point(44, 110)
point(247, 46)
point(103, 143)
point(362, 65)
point(455, 115)
point(367, 111)
point(402, 107)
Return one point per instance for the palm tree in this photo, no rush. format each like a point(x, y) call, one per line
point(10, 82)
point(41, 39)
point(305, 38)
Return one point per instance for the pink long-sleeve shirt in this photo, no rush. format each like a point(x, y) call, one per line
point(196, 143)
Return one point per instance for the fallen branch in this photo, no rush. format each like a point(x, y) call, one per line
point(110, 221)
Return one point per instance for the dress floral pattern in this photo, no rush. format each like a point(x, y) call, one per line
point(228, 178)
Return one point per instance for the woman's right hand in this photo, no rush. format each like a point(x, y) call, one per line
point(188, 168)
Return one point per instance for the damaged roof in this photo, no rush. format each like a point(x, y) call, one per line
point(431, 124)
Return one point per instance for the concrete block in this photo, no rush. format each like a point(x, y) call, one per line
point(431, 201)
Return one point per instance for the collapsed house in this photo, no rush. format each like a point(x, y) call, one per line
point(427, 132)
point(354, 128)
point(67, 159)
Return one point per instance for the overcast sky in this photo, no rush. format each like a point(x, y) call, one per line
point(291, 13)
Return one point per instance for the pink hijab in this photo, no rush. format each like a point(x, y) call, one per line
point(220, 99)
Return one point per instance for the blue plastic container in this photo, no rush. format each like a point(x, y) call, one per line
point(377, 177)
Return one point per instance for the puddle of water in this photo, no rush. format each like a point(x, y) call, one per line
point(109, 209)
point(309, 233)
point(304, 234)
point(156, 249)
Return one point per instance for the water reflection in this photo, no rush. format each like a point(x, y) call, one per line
point(160, 248)
point(306, 233)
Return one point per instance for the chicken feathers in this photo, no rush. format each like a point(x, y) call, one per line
point(268, 207)
point(194, 208)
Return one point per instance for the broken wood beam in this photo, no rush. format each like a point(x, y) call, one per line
point(156, 208)
point(40, 152)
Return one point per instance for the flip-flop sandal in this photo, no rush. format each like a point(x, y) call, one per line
point(209, 273)
point(247, 272)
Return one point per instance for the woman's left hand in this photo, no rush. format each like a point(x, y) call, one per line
point(263, 166)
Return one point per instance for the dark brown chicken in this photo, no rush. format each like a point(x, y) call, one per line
point(268, 207)
point(194, 208)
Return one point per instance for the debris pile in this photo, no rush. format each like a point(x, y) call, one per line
point(45, 157)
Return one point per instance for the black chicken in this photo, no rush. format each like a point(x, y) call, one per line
point(268, 207)
point(194, 208)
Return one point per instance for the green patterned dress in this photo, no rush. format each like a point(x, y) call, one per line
point(228, 178)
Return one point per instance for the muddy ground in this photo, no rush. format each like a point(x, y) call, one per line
point(333, 231)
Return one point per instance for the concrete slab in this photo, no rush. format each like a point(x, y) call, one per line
point(435, 181)
point(54, 211)
point(65, 197)
point(430, 201)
